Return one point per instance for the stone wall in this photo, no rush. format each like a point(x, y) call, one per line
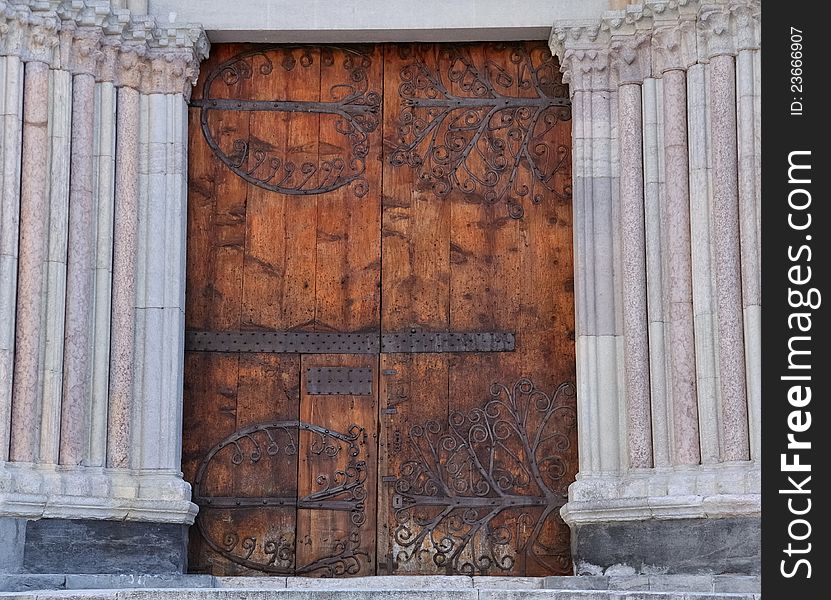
point(93, 101)
point(666, 206)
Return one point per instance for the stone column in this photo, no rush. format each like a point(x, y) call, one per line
point(124, 257)
point(11, 128)
point(632, 57)
point(597, 336)
point(748, 92)
point(26, 392)
point(674, 51)
point(715, 25)
point(77, 366)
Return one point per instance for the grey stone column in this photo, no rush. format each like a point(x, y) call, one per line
point(11, 129)
point(597, 335)
point(632, 57)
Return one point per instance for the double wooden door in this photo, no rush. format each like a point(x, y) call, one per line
point(380, 323)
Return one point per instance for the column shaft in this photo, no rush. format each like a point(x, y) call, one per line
point(77, 372)
point(734, 423)
point(653, 209)
point(635, 323)
point(682, 342)
point(11, 128)
point(25, 428)
point(122, 352)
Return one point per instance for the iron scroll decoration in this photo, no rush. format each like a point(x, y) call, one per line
point(474, 127)
point(259, 446)
point(353, 108)
point(480, 488)
point(482, 130)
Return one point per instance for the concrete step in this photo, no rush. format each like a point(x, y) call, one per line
point(206, 587)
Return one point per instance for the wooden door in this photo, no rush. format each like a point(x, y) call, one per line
point(380, 311)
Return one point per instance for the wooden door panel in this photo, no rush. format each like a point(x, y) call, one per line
point(484, 443)
point(395, 189)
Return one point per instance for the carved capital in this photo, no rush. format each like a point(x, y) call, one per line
point(130, 66)
point(40, 38)
point(716, 35)
point(168, 73)
point(587, 69)
point(747, 22)
point(631, 57)
point(572, 35)
point(673, 47)
point(108, 67)
point(86, 53)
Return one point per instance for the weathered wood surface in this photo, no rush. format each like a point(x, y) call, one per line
point(360, 210)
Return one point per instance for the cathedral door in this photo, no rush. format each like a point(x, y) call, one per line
point(380, 320)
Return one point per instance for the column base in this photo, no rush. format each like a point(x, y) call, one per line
point(677, 546)
point(702, 519)
point(56, 519)
point(92, 546)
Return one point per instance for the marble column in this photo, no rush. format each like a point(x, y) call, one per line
point(77, 371)
point(11, 128)
point(634, 290)
point(26, 392)
point(677, 228)
point(104, 193)
point(57, 217)
point(734, 423)
point(597, 335)
point(747, 98)
point(653, 136)
point(124, 267)
point(706, 333)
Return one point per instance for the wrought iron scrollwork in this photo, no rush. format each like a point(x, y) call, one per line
point(483, 130)
point(481, 487)
point(352, 107)
point(342, 490)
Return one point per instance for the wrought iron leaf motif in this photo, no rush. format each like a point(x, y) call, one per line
point(349, 106)
point(483, 130)
point(486, 482)
point(259, 448)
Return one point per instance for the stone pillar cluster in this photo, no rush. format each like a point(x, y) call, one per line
point(665, 98)
point(93, 132)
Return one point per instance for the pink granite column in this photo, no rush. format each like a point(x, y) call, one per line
point(77, 366)
point(681, 322)
point(124, 287)
point(734, 424)
point(635, 324)
point(25, 426)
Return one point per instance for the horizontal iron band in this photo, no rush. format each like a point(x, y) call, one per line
point(293, 342)
point(259, 502)
point(282, 342)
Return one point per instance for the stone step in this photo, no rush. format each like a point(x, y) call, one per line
point(206, 587)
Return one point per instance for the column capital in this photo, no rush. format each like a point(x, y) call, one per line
point(747, 19)
point(673, 46)
point(631, 57)
point(130, 65)
point(716, 32)
point(586, 69)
